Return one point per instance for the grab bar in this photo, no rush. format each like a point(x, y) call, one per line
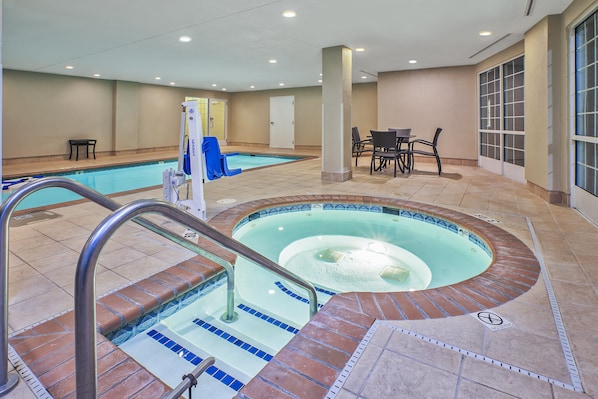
point(9, 380)
point(85, 317)
point(190, 380)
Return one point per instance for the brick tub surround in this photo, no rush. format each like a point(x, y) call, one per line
point(311, 362)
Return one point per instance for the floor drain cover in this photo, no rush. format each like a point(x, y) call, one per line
point(486, 218)
point(226, 201)
point(190, 234)
point(492, 320)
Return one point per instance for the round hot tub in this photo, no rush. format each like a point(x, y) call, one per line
point(510, 268)
point(370, 248)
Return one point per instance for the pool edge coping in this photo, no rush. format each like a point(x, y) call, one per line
point(327, 341)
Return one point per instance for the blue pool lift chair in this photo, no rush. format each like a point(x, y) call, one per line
point(216, 164)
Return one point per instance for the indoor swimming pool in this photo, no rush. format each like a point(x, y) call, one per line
point(130, 177)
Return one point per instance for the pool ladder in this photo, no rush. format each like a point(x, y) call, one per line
point(85, 319)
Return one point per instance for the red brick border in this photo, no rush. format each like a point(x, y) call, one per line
point(311, 362)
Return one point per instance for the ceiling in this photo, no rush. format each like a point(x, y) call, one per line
point(233, 40)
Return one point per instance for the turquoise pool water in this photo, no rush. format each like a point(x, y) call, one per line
point(345, 248)
point(131, 177)
point(338, 247)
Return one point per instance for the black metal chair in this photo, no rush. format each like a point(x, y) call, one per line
point(359, 145)
point(386, 149)
point(433, 153)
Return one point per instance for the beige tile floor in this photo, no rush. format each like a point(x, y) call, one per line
point(44, 251)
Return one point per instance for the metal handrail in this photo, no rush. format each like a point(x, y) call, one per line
point(190, 379)
point(85, 317)
point(15, 199)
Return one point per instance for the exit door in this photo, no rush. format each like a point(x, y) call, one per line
point(282, 122)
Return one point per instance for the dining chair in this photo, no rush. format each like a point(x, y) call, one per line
point(386, 149)
point(359, 146)
point(432, 152)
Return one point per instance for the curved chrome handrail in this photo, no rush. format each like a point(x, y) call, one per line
point(85, 317)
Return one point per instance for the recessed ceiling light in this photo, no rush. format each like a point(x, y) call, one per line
point(69, 67)
point(319, 80)
point(157, 78)
point(252, 87)
point(272, 61)
point(359, 49)
point(289, 14)
point(96, 75)
point(184, 39)
point(364, 77)
point(485, 33)
point(413, 61)
point(214, 85)
point(281, 84)
point(224, 89)
point(172, 83)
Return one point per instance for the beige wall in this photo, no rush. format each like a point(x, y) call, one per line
point(42, 111)
point(429, 98)
point(249, 113)
point(536, 104)
point(364, 110)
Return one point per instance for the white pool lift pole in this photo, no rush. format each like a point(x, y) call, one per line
point(174, 181)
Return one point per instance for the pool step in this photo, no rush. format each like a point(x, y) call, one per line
point(169, 356)
point(233, 343)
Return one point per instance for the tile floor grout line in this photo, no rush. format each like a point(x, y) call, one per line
point(336, 387)
point(478, 356)
point(558, 320)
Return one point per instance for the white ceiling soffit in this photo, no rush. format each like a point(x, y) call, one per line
point(233, 40)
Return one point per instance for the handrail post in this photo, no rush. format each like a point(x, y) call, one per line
point(8, 381)
point(85, 317)
point(85, 279)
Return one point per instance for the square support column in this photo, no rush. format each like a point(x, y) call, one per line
point(336, 113)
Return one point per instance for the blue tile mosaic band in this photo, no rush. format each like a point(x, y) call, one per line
point(269, 319)
point(148, 320)
point(292, 294)
point(445, 224)
point(192, 358)
point(233, 340)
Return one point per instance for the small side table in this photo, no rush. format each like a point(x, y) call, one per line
point(85, 143)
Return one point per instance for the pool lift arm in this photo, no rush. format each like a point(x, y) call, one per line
point(191, 161)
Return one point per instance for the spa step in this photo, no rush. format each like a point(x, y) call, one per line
point(232, 342)
point(170, 356)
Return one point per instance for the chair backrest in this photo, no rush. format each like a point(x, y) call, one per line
point(400, 132)
point(384, 139)
point(356, 137)
point(436, 135)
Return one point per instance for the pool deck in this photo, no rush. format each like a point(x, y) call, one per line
point(391, 360)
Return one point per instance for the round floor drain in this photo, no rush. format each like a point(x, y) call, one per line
point(226, 201)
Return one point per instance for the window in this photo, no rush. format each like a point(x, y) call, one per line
point(502, 113)
point(586, 108)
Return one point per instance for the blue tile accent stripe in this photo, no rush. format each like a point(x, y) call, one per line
point(233, 340)
point(192, 358)
point(269, 319)
point(292, 294)
point(148, 320)
point(448, 225)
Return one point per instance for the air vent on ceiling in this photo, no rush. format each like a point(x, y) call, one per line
point(368, 73)
point(528, 8)
point(490, 45)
